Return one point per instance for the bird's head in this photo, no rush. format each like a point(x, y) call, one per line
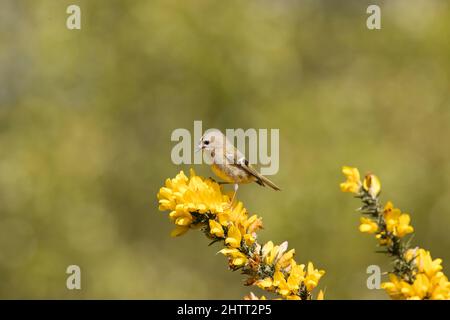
point(211, 140)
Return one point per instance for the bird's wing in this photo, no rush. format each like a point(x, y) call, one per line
point(246, 166)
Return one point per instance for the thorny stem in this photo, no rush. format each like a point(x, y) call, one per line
point(395, 247)
point(256, 268)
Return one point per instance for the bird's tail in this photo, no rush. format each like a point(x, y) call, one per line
point(266, 182)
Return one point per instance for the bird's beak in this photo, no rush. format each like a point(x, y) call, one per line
point(198, 148)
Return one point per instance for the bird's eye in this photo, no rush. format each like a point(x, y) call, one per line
point(206, 142)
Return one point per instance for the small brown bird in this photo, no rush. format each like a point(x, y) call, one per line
point(229, 164)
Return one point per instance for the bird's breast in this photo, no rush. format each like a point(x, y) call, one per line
point(231, 173)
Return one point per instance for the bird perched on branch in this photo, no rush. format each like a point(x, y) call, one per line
point(229, 164)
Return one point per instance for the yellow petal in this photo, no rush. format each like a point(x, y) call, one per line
point(321, 295)
point(372, 185)
point(353, 183)
point(368, 225)
point(285, 259)
point(178, 231)
point(264, 283)
point(233, 237)
point(216, 228)
point(266, 249)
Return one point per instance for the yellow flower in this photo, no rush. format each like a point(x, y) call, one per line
point(185, 196)
point(296, 276)
point(285, 260)
point(312, 277)
point(396, 221)
point(321, 295)
point(181, 218)
point(429, 282)
point(425, 279)
point(394, 287)
point(178, 231)
point(287, 284)
point(195, 202)
point(234, 237)
point(266, 250)
point(192, 194)
point(368, 225)
point(427, 265)
point(400, 289)
point(253, 224)
point(420, 287)
point(280, 282)
point(372, 185)
point(441, 288)
point(382, 239)
point(287, 288)
point(216, 228)
point(236, 257)
point(391, 215)
point(353, 183)
point(271, 253)
point(403, 227)
point(424, 262)
point(249, 239)
point(238, 217)
point(264, 283)
point(234, 214)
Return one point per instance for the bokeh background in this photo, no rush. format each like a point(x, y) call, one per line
point(86, 118)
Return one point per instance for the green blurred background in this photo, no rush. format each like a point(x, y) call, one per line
point(86, 118)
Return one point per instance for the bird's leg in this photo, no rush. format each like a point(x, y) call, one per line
point(230, 205)
point(236, 187)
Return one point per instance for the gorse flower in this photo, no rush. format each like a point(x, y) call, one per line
point(288, 278)
point(192, 195)
point(396, 222)
point(415, 275)
point(368, 225)
point(429, 283)
point(216, 229)
point(199, 203)
point(372, 185)
point(353, 183)
point(185, 197)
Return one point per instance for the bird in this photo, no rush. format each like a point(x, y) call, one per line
point(228, 163)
